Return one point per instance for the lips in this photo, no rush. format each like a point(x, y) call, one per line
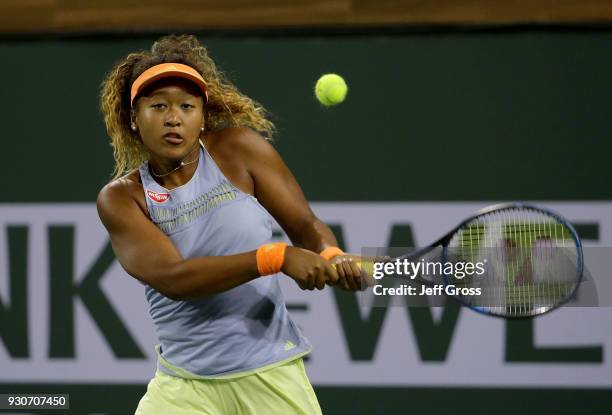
point(174, 138)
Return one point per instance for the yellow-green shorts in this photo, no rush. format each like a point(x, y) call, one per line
point(283, 389)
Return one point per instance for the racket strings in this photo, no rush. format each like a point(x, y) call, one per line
point(530, 261)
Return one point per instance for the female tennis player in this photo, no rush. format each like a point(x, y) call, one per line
point(189, 211)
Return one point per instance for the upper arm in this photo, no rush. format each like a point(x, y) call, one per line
point(143, 250)
point(274, 185)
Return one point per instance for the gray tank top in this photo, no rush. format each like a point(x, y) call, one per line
point(245, 328)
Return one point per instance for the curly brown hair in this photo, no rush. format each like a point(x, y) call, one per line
point(226, 106)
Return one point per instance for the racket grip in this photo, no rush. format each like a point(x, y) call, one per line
point(367, 266)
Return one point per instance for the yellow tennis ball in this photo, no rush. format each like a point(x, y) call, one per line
point(331, 89)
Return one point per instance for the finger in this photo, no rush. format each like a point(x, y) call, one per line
point(346, 286)
point(331, 273)
point(320, 281)
point(345, 282)
point(310, 282)
point(346, 270)
point(349, 270)
point(341, 274)
point(356, 275)
point(366, 278)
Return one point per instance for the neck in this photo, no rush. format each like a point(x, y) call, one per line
point(172, 173)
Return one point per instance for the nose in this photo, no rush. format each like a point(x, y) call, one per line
point(172, 119)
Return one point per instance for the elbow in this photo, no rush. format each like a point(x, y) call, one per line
point(173, 293)
point(173, 289)
point(167, 282)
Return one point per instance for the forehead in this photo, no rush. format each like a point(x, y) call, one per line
point(171, 86)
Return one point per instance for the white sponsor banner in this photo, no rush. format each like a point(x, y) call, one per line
point(476, 354)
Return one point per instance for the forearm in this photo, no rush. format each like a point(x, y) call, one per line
point(201, 276)
point(314, 236)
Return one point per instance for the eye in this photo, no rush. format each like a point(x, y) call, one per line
point(158, 106)
point(188, 106)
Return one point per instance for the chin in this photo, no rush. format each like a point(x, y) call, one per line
point(178, 150)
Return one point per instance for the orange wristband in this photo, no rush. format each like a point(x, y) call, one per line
point(330, 252)
point(270, 257)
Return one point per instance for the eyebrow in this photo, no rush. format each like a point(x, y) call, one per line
point(153, 94)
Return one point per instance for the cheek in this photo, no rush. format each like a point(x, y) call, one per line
point(148, 120)
point(196, 121)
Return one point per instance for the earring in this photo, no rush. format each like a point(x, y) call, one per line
point(133, 127)
point(202, 129)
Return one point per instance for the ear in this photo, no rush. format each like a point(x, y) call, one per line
point(133, 121)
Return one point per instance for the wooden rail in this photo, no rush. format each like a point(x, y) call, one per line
point(23, 16)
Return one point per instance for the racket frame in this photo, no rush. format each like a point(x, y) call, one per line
point(444, 242)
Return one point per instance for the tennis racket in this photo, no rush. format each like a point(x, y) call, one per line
point(533, 261)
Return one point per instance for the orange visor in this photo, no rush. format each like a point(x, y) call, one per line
point(167, 70)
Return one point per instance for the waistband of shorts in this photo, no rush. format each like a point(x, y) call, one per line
point(166, 367)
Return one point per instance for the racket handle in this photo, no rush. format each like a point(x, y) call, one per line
point(367, 266)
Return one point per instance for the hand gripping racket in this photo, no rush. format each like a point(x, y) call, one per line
point(531, 259)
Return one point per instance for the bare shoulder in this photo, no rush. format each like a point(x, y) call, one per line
point(235, 150)
point(237, 140)
point(121, 192)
